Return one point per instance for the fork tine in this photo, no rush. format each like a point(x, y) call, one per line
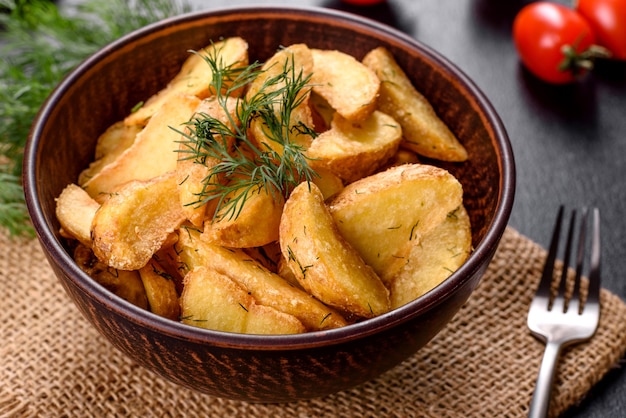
point(545, 284)
point(594, 268)
point(582, 239)
point(559, 302)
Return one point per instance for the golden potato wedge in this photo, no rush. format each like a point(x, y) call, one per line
point(328, 182)
point(323, 262)
point(322, 112)
point(113, 142)
point(267, 320)
point(284, 271)
point(193, 173)
point(75, 210)
point(347, 85)
point(213, 300)
point(381, 215)
point(191, 178)
point(125, 284)
point(167, 258)
point(115, 139)
point(136, 221)
point(152, 154)
point(438, 254)
point(424, 132)
point(354, 150)
point(403, 156)
point(194, 77)
point(296, 61)
point(269, 256)
point(160, 290)
point(254, 226)
point(267, 288)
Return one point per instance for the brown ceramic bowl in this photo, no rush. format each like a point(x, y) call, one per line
point(250, 367)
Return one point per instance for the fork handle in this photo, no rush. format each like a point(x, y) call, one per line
point(541, 397)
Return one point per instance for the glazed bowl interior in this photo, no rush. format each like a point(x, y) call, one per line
point(103, 90)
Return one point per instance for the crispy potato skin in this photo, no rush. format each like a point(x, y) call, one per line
point(348, 86)
point(424, 132)
point(192, 174)
point(255, 226)
point(194, 77)
point(75, 210)
point(323, 262)
point(160, 290)
point(153, 152)
point(267, 288)
point(125, 284)
point(298, 60)
point(437, 255)
point(111, 144)
point(353, 150)
point(381, 215)
point(136, 221)
point(213, 300)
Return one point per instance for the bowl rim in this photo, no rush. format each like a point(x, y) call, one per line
point(485, 248)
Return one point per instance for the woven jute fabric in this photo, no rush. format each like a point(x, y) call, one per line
point(483, 364)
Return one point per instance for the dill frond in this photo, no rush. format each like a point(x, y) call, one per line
point(250, 167)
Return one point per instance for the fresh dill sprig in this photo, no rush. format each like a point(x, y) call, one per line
point(13, 215)
point(247, 166)
point(39, 45)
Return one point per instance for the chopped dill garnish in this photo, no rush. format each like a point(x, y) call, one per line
point(245, 167)
point(161, 273)
point(325, 317)
point(413, 230)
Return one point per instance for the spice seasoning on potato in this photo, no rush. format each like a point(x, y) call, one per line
point(323, 261)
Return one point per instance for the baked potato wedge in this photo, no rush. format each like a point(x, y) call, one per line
point(75, 210)
point(153, 152)
point(383, 214)
point(136, 221)
point(194, 77)
point(424, 132)
point(354, 150)
point(194, 173)
point(113, 142)
point(324, 264)
point(346, 84)
point(434, 258)
point(123, 283)
point(403, 156)
point(268, 256)
point(322, 112)
point(265, 287)
point(287, 68)
point(254, 226)
point(328, 182)
point(167, 259)
point(160, 291)
point(213, 300)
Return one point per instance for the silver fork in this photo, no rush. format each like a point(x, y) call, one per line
point(563, 319)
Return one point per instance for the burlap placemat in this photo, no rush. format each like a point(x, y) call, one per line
point(484, 364)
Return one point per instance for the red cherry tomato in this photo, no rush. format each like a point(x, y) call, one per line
point(608, 20)
point(541, 30)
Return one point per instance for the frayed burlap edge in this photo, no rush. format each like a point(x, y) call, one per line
point(52, 363)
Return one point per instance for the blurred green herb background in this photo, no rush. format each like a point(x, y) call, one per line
point(39, 44)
